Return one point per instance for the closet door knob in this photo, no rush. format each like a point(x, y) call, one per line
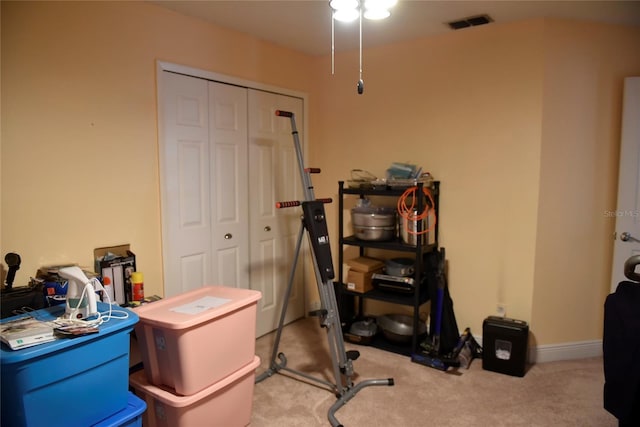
point(267, 228)
point(228, 236)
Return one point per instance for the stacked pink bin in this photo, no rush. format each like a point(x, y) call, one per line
point(198, 353)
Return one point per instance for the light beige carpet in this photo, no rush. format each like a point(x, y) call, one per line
point(565, 393)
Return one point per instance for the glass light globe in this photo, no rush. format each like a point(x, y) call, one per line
point(343, 4)
point(376, 14)
point(346, 15)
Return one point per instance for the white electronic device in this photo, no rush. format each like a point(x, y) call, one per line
point(81, 294)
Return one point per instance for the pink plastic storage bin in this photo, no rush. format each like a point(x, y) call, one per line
point(190, 341)
point(226, 403)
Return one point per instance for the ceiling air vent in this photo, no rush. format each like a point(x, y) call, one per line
point(471, 21)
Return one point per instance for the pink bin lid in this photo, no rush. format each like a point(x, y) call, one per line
point(195, 307)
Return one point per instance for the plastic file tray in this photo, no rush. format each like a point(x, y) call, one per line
point(190, 341)
point(131, 416)
point(227, 403)
point(71, 381)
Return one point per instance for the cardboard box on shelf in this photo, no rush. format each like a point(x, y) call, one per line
point(359, 281)
point(365, 264)
point(117, 263)
point(361, 270)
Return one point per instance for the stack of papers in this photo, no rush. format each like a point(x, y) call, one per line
point(26, 332)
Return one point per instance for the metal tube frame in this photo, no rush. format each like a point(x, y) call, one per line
point(343, 387)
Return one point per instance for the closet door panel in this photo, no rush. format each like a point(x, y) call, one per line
point(185, 183)
point(225, 160)
point(228, 142)
point(273, 177)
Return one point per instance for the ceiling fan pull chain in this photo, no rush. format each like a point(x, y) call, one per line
point(360, 81)
point(333, 44)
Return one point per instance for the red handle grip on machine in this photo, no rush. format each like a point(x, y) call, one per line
point(281, 205)
point(293, 203)
point(281, 113)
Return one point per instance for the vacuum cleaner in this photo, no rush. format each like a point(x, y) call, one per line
point(443, 352)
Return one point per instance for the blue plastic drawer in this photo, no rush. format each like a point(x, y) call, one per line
point(131, 416)
point(71, 381)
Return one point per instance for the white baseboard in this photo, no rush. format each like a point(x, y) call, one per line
point(566, 351)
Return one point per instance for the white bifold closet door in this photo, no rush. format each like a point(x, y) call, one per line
point(273, 176)
point(225, 159)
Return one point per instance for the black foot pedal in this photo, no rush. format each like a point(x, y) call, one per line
point(353, 354)
point(318, 313)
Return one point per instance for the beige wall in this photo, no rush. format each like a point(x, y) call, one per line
point(521, 124)
point(467, 107)
point(493, 112)
point(584, 70)
point(80, 150)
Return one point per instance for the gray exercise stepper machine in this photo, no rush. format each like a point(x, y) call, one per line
point(314, 222)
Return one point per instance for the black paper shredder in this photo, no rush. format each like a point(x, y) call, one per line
point(505, 344)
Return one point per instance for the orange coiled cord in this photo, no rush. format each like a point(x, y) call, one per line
point(410, 212)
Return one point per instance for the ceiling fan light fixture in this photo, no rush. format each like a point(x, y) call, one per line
point(345, 10)
point(343, 4)
point(380, 4)
point(378, 9)
point(376, 14)
point(346, 15)
point(349, 10)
